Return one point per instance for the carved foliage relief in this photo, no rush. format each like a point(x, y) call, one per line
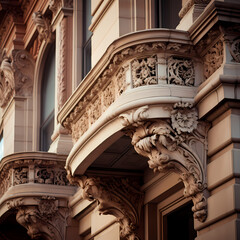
point(42, 172)
point(45, 221)
point(16, 75)
point(170, 146)
point(213, 59)
point(127, 69)
point(116, 196)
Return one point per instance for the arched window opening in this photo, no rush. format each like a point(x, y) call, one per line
point(47, 101)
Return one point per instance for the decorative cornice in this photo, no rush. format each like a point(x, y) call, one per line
point(187, 6)
point(170, 145)
point(116, 196)
point(16, 75)
point(56, 5)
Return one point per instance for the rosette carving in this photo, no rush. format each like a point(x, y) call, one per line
point(171, 145)
point(116, 196)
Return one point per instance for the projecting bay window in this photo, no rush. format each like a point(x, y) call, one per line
point(47, 101)
point(167, 13)
point(87, 50)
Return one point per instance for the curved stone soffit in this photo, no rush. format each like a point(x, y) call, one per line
point(16, 75)
point(133, 67)
point(45, 219)
point(173, 145)
point(116, 196)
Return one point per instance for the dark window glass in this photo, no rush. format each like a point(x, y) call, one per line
point(86, 37)
point(179, 224)
point(167, 13)
point(47, 101)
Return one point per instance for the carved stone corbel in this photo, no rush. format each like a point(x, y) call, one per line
point(6, 79)
point(116, 196)
point(43, 26)
point(56, 5)
point(44, 221)
point(170, 145)
point(16, 75)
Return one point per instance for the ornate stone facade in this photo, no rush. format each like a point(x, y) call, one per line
point(117, 196)
point(16, 75)
point(170, 146)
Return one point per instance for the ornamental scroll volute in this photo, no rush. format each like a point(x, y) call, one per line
point(117, 196)
point(176, 144)
point(16, 75)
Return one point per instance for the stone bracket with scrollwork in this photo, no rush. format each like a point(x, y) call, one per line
point(16, 75)
point(173, 144)
point(117, 196)
point(44, 218)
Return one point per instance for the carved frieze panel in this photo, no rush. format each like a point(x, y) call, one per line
point(116, 196)
point(170, 146)
point(132, 67)
point(144, 71)
point(213, 59)
point(34, 171)
point(181, 71)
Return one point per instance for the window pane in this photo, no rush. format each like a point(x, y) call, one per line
point(179, 224)
point(48, 101)
point(167, 13)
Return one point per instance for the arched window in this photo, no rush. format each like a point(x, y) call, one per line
point(47, 101)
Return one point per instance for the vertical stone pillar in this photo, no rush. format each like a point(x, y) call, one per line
point(62, 22)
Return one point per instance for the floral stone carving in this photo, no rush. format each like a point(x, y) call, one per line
point(43, 27)
point(170, 146)
point(180, 71)
point(116, 196)
point(45, 221)
point(16, 75)
point(144, 71)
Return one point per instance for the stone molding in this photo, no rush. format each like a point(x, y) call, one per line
point(17, 74)
point(56, 5)
point(132, 67)
point(117, 196)
point(189, 3)
point(32, 169)
point(46, 220)
point(171, 145)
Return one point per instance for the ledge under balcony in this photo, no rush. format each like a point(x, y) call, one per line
point(148, 71)
point(28, 177)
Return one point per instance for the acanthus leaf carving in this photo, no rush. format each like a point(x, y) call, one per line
point(45, 221)
point(43, 27)
point(170, 146)
point(6, 79)
point(116, 196)
point(16, 75)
